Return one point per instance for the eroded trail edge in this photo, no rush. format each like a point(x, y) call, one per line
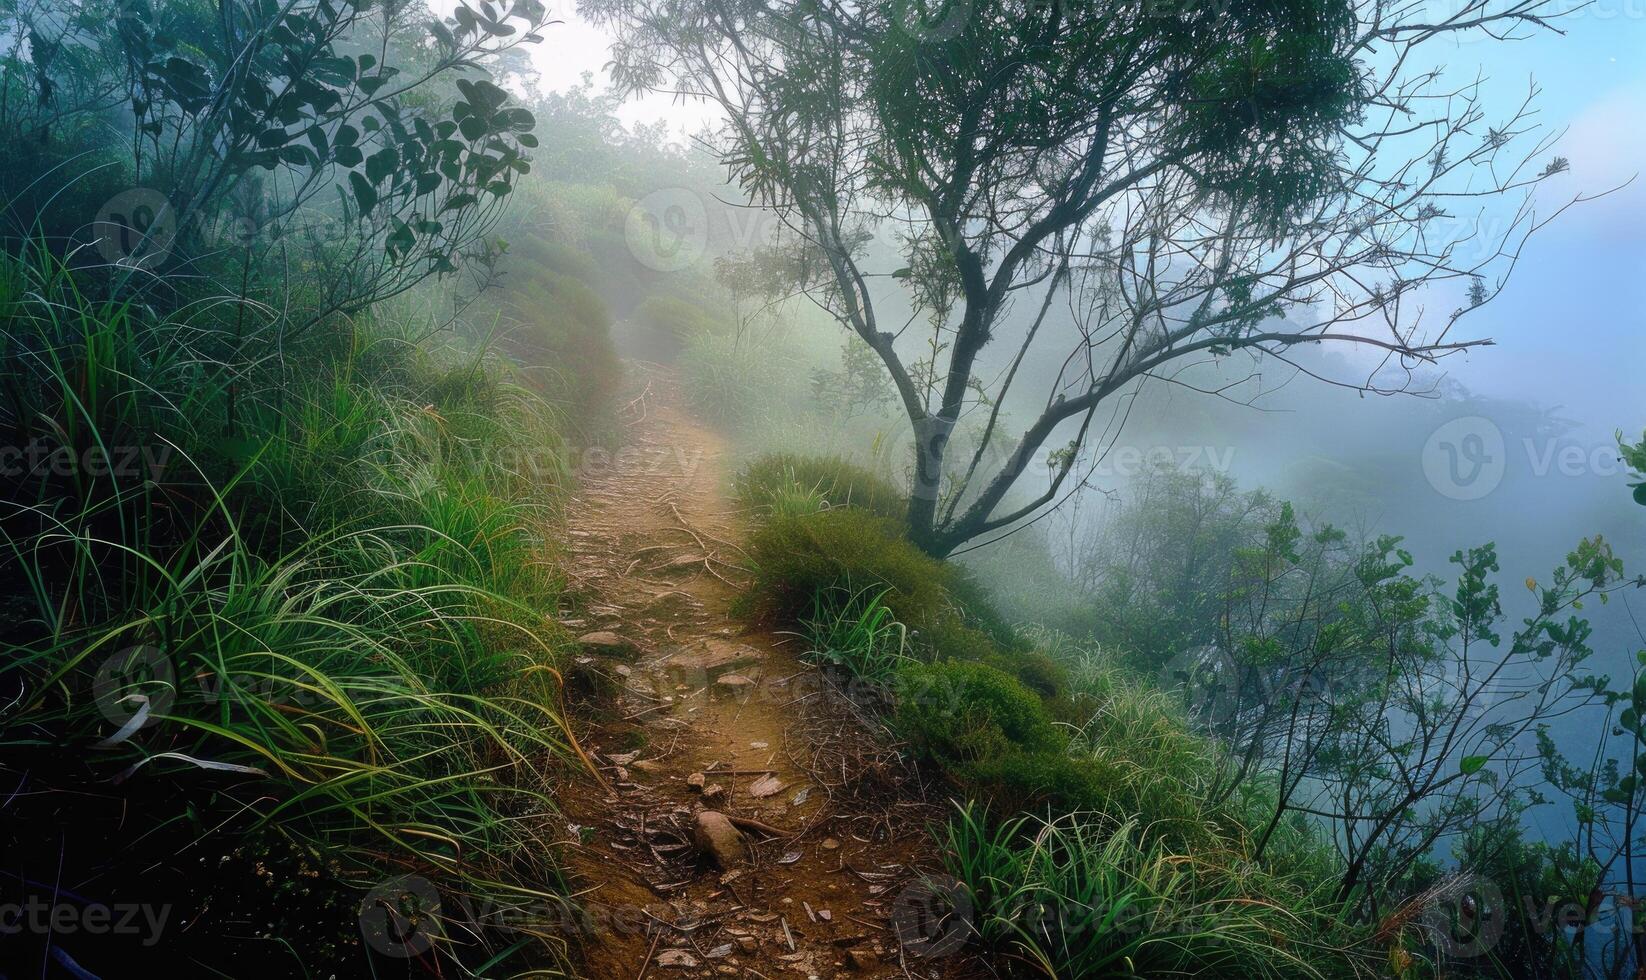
point(686, 710)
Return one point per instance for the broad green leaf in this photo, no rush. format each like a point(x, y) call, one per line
point(364, 195)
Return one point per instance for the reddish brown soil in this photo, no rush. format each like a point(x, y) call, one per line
point(655, 559)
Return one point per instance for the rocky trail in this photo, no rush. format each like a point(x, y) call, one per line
point(755, 821)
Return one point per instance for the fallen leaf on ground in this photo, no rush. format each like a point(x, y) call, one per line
point(765, 786)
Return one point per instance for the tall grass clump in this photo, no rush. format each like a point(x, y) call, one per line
point(854, 630)
point(833, 479)
point(798, 556)
point(1087, 896)
point(286, 620)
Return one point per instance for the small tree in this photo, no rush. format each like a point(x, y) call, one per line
point(1187, 179)
point(360, 140)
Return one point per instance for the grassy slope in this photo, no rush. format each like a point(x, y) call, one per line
point(304, 639)
point(1134, 872)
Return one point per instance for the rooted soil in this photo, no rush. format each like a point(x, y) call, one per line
point(835, 881)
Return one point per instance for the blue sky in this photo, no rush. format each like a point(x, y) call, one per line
point(1571, 327)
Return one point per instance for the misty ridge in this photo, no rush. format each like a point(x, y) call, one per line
point(911, 488)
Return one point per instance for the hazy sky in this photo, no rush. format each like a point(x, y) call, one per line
point(1570, 325)
point(1570, 329)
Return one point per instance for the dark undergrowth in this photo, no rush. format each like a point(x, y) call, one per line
point(277, 635)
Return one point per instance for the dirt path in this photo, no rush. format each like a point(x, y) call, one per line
point(655, 561)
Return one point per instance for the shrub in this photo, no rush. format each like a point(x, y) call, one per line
point(797, 557)
point(949, 638)
point(325, 630)
point(855, 631)
point(839, 482)
point(1090, 897)
point(955, 711)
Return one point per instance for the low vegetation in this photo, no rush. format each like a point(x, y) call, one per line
point(361, 673)
point(1155, 806)
point(308, 316)
point(1080, 895)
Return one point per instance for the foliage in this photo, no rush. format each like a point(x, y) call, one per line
point(962, 711)
point(1162, 172)
point(1590, 879)
point(361, 672)
point(836, 480)
point(1156, 568)
point(797, 557)
point(271, 127)
point(1038, 722)
point(1634, 456)
point(274, 566)
point(1082, 895)
point(1341, 689)
point(853, 630)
